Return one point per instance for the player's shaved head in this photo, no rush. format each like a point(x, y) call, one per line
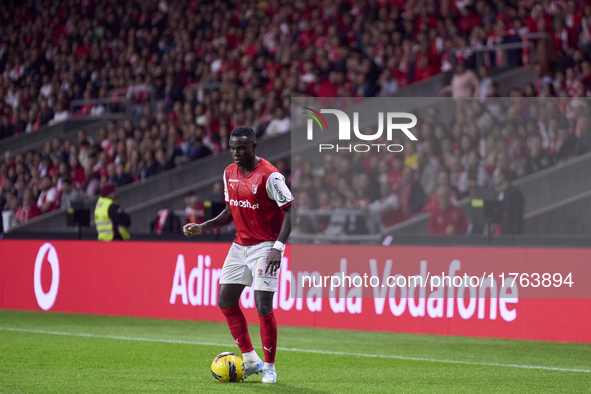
point(244, 131)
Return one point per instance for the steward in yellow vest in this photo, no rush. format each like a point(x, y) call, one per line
point(110, 219)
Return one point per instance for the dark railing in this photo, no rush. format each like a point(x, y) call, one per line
point(119, 100)
point(511, 51)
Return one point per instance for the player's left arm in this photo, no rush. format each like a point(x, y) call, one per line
point(274, 258)
point(278, 191)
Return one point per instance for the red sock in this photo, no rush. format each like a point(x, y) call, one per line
point(269, 336)
point(238, 328)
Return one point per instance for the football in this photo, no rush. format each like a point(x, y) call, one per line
point(227, 367)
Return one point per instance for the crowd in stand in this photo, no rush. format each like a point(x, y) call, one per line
point(194, 70)
point(33, 183)
point(260, 52)
point(352, 193)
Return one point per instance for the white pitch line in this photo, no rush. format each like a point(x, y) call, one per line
point(72, 334)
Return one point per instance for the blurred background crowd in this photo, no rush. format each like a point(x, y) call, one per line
point(196, 69)
point(512, 137)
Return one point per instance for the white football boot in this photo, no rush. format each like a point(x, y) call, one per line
point(269, 376)
point(253, 368)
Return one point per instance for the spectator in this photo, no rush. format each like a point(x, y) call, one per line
point(504, 164)
point(337, 224)
point(197, 150)
point(174, 154)
point(45, 113)
point(68, 195)
point(76, 172)
point(187, 199)
point(485, 83)
point(6, 129)
point(165, 223)
point(280, 124)
point(583, 144)
point(391, 176)
point(388, 85)
point(84, 137)
point(8, 211)
point(565, 145)
point(447, 218)
point(443, 180)
point(92, 185)
point(162, 164)
point(512, 198)
point(428, 173)
point(410, 193)
point(150, 165)
point(47, 199)
point(385, 211)
point(217, 193)
point(194, 211)
point(464, 82)
point(410, 155)
point(61, 115)
point(475, 175)
point(121, 178)
point(283, 167)
point(538, 158)
point(28, 209)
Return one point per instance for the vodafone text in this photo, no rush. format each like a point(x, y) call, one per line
point(199, 287)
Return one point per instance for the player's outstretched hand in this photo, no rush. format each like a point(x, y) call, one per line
point(191, 229)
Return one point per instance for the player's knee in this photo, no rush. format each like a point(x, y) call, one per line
point(263, 310)
point(264, 303)
point(223, 303)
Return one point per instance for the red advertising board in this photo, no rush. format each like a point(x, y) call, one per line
point(179, 281)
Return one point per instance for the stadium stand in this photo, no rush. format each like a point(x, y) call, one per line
point(187, 72)
point(397, 188)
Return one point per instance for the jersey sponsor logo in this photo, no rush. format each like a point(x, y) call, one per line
point(254, 189)
point(243, 204)
point(280, 196)
point(233, 183)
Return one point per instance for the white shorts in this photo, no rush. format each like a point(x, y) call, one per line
point(245, 263)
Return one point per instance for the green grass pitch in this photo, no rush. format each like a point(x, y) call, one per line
point(64, 353)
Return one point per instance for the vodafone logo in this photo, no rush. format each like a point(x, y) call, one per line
point(46, 300)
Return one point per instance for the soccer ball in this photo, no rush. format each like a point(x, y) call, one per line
point(227, 367)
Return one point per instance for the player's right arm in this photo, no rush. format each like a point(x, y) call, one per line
point(223, 219)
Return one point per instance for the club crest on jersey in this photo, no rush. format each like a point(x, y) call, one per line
point(254, 189)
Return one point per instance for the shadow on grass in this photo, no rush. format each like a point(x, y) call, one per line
point(279, 387)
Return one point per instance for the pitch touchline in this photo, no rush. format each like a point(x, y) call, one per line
point(72, 334)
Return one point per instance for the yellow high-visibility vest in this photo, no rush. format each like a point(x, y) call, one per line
point(104, 225)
